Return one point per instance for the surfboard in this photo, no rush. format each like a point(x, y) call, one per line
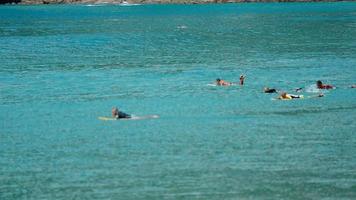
point(210, 84)
point(300, 97)
point(132, 118)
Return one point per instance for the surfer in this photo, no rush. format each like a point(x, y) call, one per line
point(320, 85)
point(269, 90)
point(222, 82)
point(242, 79)
point(285, 96)
point(118, 114)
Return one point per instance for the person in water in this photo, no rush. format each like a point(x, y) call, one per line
point(285, 96)
point(222, 82)
point(269, 90)
point(353, 86)
point(242, 79)
point(320, 85)
point(118, 114)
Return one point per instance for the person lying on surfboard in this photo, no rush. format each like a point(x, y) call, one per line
point(118, 114)
point(285, 96)
point(221, 82)
point(269, 90)
point(320, 85)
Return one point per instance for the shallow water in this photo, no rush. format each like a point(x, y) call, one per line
point(64, 66)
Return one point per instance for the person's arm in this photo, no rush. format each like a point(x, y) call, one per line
point(329, 87)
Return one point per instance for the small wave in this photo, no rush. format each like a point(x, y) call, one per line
point(129, 4)
point(93, 5)
point(182, 27)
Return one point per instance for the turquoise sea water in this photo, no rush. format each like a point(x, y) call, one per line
point(62, 66)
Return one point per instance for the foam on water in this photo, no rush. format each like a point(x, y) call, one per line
point(314, 89)
point(130, 4)
point(93, 5)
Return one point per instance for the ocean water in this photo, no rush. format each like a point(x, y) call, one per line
point(63, 66)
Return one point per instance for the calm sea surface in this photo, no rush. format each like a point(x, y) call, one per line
point(63, 66)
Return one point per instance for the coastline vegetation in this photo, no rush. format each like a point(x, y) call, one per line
point(147, 1)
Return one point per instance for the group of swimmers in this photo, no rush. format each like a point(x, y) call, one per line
point(117, 114)
point(283, 95)
point(286, 96)
point(319, 85)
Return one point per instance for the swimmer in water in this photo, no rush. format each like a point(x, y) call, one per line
point(353, 86)
point(242, 79)
point(285, 96)
point(320, 85)
point(118, 114)
point(222, 82)
point(269, 90)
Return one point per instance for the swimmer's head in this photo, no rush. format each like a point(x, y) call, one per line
point(319, 83)
point(218, 80)
point(114, 111)
point(284, 94)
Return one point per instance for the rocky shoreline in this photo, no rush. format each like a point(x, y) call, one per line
point(26, 2)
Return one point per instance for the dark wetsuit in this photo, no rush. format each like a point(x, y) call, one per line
point(295, 96)
point(122, 115)
point(271, 90)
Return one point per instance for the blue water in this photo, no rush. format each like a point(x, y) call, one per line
point(63, 66)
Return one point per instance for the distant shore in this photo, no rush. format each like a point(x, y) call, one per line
point(25, 2)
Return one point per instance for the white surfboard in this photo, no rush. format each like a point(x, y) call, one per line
point(132, 118)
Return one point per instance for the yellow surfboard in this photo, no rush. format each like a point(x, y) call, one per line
point(107, 118)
